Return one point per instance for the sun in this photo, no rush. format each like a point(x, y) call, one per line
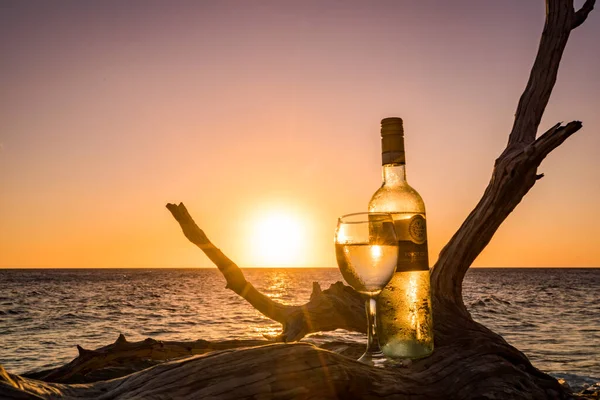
point(278, 239)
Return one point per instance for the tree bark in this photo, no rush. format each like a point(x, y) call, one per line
point(469, 360)
point(288, 371)
point(123, 357)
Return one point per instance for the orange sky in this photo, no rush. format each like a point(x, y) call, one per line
point(109, 110)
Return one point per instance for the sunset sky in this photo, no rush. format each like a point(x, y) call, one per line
point(263, 118)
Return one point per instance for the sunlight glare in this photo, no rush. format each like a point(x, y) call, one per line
point(376, 252)
point(279, 239)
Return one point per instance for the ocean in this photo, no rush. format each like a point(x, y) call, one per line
point(552, 315)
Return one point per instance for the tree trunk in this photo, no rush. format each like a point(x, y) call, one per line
point(469, 360)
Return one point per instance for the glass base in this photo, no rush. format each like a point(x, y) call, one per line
point(374, 359)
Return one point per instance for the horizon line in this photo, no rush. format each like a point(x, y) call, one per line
point(290, 267)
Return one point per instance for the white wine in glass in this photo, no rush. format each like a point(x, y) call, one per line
point(366, 250)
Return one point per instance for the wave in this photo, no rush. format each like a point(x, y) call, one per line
point(488, 301)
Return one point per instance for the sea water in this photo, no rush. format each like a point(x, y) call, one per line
point(552, 315)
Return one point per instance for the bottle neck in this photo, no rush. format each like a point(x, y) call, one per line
point(394, 174)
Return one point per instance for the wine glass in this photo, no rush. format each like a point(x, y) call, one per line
point(366, 250)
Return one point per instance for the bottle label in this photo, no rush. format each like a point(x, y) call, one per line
point(392, 149)
point(412, 256)
point(412, 243)
point(393, 157)
point(417, 229)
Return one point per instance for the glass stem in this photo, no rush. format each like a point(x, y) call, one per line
point(372, 342)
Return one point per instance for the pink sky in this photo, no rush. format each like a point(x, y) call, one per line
point(111, 109)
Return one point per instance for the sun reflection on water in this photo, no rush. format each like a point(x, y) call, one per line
point(279, 283)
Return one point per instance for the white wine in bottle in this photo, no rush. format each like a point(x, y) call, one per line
point(404, 320)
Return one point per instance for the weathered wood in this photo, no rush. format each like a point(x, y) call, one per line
point(295, 371)
point(123, 357)
point(514, 174)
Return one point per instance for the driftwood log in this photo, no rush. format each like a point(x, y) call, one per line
point(469, 360)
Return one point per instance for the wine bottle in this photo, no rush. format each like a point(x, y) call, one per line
point(404, 320)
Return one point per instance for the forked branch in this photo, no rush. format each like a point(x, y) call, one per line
point(561, 19)
point(582, 14)
point(514, 174)
point(515, 171)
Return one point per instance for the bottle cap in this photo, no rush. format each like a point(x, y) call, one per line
point(392, 141)
point(392, 126)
